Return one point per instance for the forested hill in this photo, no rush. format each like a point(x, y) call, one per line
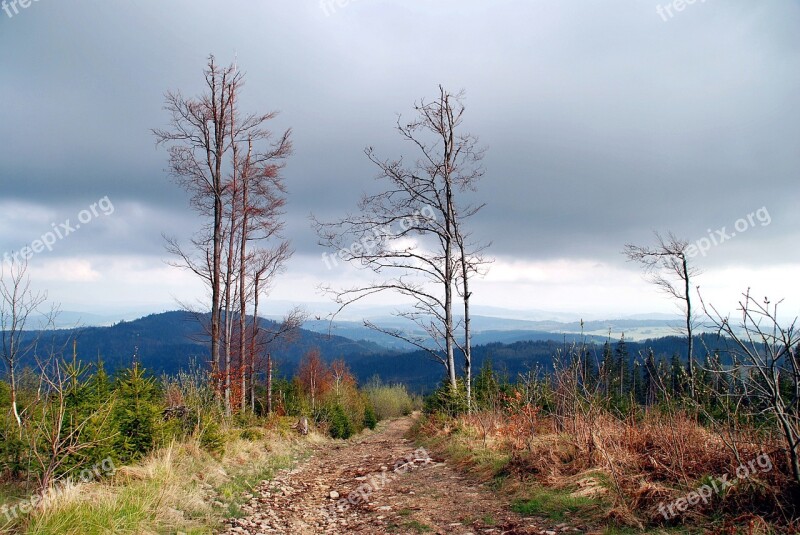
point(168, 342)
point(420, 372)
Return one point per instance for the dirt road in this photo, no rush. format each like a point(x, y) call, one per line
point(380, 483)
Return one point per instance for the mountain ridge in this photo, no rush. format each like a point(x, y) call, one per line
point(168, 342)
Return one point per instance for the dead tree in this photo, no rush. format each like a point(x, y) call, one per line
point(243, 258)
point(471, 262)
point(231, 270)
point(767, 353)
point(407, 234)
point(229, 162)
point(267, 264)
point(18, 303)
point(198, 147)
point(667, 267)
point(314, 375)
point(261, 206)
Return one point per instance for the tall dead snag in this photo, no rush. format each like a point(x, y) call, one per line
point(267, 263)
point(262, 200)
point(667, 267)
point(471, 262)
point(243, 278)
point(767, 366)
point(409, 231)
point(18, 303)
point(230, 164)
point(198, 144)
point(230, 271)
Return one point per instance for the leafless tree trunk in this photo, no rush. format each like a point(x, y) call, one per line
point(470, 262)
point(18, 303)
point(262, 202)
point(198, 143)
point(229, 275)
point(243, 279)
point(421, 252)
point(243, 196)
point(266, 265)
point(269, 383)
point(665, 264)
point(253, 340)
point(467, 337)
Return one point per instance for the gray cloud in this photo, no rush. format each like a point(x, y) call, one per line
point(603, 122)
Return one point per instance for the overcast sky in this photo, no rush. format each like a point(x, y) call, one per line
point(604, 121)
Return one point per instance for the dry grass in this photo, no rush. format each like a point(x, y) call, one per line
point(628, 467)
point(178, 488)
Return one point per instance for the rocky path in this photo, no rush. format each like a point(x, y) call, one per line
point(380, 483)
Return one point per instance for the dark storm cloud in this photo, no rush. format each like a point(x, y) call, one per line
point(602, 120)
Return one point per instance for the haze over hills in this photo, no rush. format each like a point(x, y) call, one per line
point(488, 329)
point(490, 324)
point(171, 341)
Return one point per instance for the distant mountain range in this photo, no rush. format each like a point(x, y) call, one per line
point(490, 329)
point(170, 341)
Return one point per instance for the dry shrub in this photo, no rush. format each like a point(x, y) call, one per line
point(674, 448)
point(518, 427)
point(750, 524)
point(648, 496)
point(174, 396)
point(487, 425)
point(549, 457)
point(647, 461)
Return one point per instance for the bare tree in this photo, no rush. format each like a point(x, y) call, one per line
point(767, 355)
point(267, 264)
point(408, 231)
point(341, 377)
point(230, 164)
point(667, 267)
point(231, 270)
point(56, 438)
point(314, 375)
point(262, 202)
point(18, 304)
point(470, 263)
point(198, 143)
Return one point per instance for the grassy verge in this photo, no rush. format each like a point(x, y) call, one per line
point(179, 488)
point(585, 498)
point(465, 447)
point(558, 505)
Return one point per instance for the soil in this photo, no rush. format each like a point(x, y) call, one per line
point(380, 483)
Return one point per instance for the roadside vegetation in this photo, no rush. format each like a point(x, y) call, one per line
point(147, 454)
point(576, 448)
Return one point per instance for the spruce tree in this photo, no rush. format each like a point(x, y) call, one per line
point(136, 414)
point(608, 369)
point(622, 363)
